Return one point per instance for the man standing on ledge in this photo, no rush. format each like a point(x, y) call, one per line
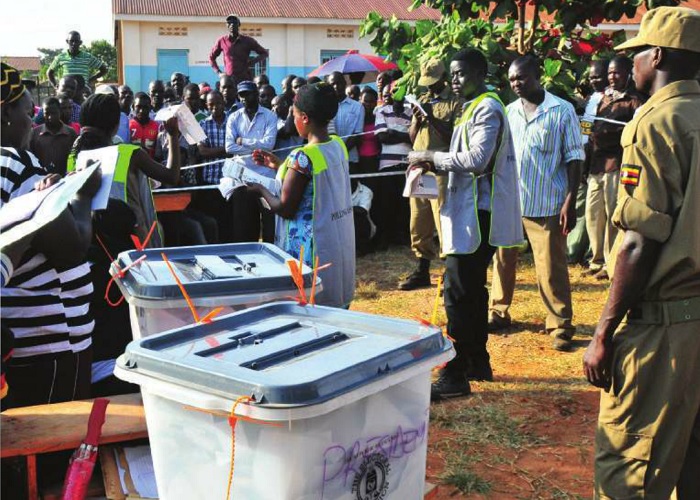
point(76, 62)
point(645, 352)
point(236, 49)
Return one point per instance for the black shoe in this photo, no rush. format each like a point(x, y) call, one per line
point(415, 280)
point(481, 372)
point(497, 323)
point(449, 386)
point(562, 342)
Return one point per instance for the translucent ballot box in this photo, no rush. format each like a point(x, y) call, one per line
point(234, 276)
point(339, 404)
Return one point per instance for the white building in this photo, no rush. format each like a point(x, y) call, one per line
point(154, 38)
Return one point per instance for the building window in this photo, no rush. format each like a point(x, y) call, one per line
point(172, 30)
point(327, 55)
point(254, 32)
point(259, 68)
point(340, 33)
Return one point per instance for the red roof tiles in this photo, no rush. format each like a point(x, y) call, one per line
point(308, 9)
point(21, 63)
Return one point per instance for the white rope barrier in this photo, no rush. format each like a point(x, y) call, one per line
point(198, 165)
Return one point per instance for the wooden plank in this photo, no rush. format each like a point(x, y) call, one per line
point(171, 202)
point(42, 429)
point(110, 473)
point(32, 484)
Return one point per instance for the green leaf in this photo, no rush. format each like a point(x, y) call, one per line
point(552, 67)
point(415, 4)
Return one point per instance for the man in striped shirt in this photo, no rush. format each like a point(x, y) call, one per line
point(547, 138)
point(76, 62)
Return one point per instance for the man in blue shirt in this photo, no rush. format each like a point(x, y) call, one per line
point(547, 138)
point(350, 119)
point(249, 128)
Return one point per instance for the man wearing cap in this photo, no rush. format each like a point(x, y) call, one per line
point(430, 131)
point(249, 128)
point(236, 49)
point(645, 352)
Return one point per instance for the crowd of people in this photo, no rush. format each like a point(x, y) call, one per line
point(288, 135)
point(530, 171)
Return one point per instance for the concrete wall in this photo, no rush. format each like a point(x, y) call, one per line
point(294, 48)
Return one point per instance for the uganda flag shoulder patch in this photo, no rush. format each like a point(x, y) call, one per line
point(629, 175)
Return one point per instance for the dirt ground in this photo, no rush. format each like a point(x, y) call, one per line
point(527, 435)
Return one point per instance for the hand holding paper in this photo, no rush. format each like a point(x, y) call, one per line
point(411, 99)
point(419, 185)
point(186, 122)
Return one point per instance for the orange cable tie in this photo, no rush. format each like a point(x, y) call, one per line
point(148, 236)
point(182, 288)
point(232, 419)
point(312, 299)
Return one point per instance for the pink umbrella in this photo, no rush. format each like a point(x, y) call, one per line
point(354, 62)
point(83, 460)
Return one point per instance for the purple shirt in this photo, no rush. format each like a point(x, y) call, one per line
point(237, 56)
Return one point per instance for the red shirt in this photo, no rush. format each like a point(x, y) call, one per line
point(144, 135)
point(237, 56)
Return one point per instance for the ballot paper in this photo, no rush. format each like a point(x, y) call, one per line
point(39, 209)
point(106, 159)
point(411, 99)
point(140, 471)
point(236, 175)
point(419, 185)
point(190, 129)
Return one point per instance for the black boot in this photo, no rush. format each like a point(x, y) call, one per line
point(450, 385)
point(420, 278)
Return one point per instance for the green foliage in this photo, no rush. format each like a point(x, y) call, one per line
point(565, 49)
point(108, 53)
point(47, 55)
point(567, 13)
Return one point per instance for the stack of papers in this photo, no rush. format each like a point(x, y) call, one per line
point(236, 175)
point(136, 471)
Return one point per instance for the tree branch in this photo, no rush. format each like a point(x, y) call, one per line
point(521, 26)
point(533, 27)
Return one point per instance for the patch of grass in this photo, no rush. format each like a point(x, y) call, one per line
point(483, 424)
point(366, 290)
point(467, 482)
point(558, 494)
point(458, 472)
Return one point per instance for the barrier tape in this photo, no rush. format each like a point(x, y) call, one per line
point(601, 119)
point(197, 165)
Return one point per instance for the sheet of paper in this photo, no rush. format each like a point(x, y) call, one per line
point(50, 207)
point(164, 114)
point(411, 99)
point(106, 158)
point(186, 122)
point(189, 127)
point(23, 207)
point(419, 185)
point(140, 470)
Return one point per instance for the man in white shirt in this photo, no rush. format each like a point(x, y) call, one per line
point(249, 128)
